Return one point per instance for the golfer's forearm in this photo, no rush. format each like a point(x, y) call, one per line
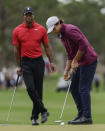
point(68, 65)
point(17, 55)
point(78, 55)
point(49, 54)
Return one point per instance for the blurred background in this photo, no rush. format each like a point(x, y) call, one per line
point(88, 15)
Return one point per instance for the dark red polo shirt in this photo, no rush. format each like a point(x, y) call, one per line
point(73, 40)
point(30, 39)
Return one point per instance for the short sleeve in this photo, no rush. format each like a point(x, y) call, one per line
point(78, 38)
point(45, 39)
point(69, 56)
point(15, 37)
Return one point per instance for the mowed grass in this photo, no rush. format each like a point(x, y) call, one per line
point(21, 110)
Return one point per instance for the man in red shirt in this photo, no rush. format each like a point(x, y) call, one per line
point(27, 39)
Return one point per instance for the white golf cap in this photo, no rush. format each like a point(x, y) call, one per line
point(51, 21)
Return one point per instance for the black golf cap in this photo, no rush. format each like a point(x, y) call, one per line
point(28, 9)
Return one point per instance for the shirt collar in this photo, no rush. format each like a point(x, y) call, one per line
point(62, 31)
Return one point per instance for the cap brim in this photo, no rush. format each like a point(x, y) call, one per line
point(50, 29)
point(28, 12)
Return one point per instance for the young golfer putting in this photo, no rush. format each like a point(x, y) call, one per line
point(82, 59)
point(27, 39)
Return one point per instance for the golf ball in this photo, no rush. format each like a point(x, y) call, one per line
point(62, 123)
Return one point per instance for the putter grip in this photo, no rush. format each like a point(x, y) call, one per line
point(17, 80)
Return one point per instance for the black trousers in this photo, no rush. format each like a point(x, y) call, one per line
point(33, 73)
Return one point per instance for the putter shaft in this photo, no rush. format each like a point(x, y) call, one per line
point(12, 101)
point(60, 120)
point(65, 100)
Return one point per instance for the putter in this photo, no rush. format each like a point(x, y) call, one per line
point(60, 120)
point(12, 100)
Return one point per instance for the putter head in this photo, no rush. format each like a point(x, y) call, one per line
point(58, 121)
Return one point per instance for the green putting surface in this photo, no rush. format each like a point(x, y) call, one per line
point(97, 127)
point(21, 110)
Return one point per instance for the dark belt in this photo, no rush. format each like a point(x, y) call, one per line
point(31, 59)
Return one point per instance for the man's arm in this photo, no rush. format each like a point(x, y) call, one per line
point(48, 51)
point(76, 59)
point(49, 54)
point(17, 54)
point(18, 58)
point(77, 37)
point(78, 55)
point(72, 64)
point(67, 69)
point(68, 65)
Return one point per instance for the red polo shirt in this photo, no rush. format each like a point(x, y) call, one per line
point(30, 39)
